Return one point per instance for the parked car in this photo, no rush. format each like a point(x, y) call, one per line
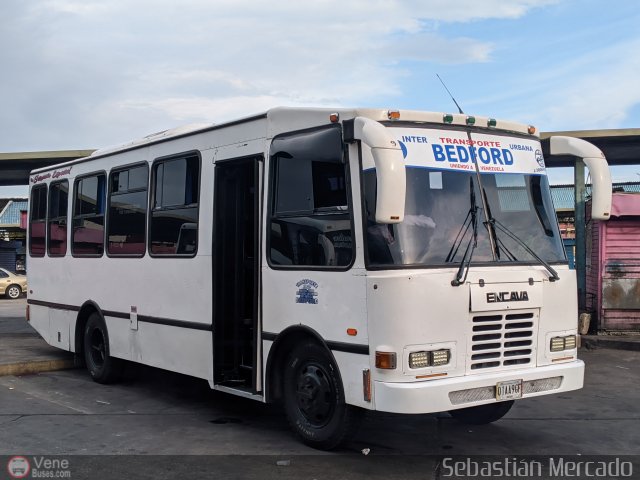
point(12, 285)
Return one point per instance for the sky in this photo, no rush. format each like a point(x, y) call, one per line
point(82, 74)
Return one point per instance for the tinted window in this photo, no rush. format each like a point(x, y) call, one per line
point(174, 218)
point(88, 216)
point(310, 220)
point(37, 220)
point(127, 211)
point(58, 201)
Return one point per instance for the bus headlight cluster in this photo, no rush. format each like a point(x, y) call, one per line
point(434, 358)
point(559, 344)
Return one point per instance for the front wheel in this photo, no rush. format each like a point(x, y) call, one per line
point(314, 399)
point(102, 367)
point(482, 414)
point(13, 291)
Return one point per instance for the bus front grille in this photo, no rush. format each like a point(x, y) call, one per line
point(502, 340)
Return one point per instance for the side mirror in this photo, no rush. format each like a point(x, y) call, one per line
point(597, 164)
point(390, 169)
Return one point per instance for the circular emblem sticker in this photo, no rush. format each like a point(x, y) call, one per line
point(539, 158)
point(18, 467)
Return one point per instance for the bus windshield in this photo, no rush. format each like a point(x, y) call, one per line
point(436, 227)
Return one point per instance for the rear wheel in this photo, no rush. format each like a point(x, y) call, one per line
point(102, 367)
point(314, 399)
point(482, 414)
point(13, 291)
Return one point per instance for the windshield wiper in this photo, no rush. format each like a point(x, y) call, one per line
point(463, 269)
point(554, 275)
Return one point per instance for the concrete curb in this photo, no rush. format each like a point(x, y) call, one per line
point(38, 366)
point(615, 343)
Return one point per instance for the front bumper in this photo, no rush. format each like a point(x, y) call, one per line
point(446, 394)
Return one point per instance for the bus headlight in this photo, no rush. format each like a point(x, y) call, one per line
point(570, 342)
point(433, 358)
point(440, 357)
point(418, 359)
point(559, 344)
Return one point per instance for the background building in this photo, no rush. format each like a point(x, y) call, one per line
point(13, 234)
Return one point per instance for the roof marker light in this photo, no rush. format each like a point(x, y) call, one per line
point(492, 122)
point(448, 118)
point(393, 114)
point(471, 120)
point(531, 130)
point(334, 117)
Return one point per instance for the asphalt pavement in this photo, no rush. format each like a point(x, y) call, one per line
point(195, 431)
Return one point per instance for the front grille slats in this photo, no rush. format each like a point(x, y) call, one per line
point(487, 337)
point(485, 346)
point(519, 325)
point(501, 339)
point(518, 343)
point(487, 327)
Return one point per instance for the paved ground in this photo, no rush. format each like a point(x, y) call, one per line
point(153, 412)
point(12, 314)
point(22, 351)
point(156, 412)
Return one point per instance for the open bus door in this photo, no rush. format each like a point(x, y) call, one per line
point(236, 273)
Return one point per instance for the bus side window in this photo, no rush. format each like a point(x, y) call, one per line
point(126, 222)
point(38, 221)
point(174, 214)
point(57, 223)
point(88, 216)
point(310, 215)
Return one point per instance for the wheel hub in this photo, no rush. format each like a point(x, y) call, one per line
point(315, 394)
point(98, 348)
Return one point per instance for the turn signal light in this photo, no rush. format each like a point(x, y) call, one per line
point(386, 360)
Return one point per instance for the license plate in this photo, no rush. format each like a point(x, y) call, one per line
point(509, 390)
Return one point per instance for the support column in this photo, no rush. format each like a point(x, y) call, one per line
point(580, 225)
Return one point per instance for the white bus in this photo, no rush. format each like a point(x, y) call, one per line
point(333, 260)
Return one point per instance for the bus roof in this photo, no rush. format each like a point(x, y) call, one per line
point(292, 118)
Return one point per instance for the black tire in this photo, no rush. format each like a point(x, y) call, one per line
point(314, 399)
point(13, 291)
point(102, 367)
point(482, 414)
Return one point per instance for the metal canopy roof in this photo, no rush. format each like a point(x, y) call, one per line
point(620, 146)
point(564, 196)
point(15, 167)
